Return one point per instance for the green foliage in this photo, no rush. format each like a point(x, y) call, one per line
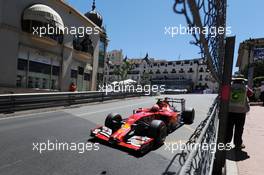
point(122, 70)
point(257, 81)
point(145, 79)
point(258, 69)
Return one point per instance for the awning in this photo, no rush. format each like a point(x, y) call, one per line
point(45, 14)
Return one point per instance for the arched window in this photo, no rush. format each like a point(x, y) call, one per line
point(201, 78)
point(181, 71)
point(42, 20)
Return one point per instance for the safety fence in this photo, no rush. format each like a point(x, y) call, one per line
point(16, 102)
point(198, 155)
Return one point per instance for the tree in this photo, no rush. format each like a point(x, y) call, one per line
point(258, 69)
point(145, 79)
point(122, 70)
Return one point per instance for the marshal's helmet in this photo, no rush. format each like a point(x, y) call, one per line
point(238, 78)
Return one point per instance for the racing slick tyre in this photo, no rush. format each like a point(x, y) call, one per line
point(113, 121)
point(158, 131)
point(188, 116)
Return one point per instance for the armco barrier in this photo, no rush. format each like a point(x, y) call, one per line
point(16, 102)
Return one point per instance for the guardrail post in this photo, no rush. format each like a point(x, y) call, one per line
point(102, 96)
point(12, 105)
point(224, 103)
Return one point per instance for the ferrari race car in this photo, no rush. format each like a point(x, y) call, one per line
point(146, 127)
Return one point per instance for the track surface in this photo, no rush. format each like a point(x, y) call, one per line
point(18, 133)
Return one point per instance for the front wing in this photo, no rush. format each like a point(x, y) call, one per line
point(136, 143)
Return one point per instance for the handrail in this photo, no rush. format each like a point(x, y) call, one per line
point(196, 160)
point(186, 167)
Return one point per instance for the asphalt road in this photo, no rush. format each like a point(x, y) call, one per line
point(19, 134)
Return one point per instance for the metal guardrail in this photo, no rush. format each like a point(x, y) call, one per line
point(194, 159)
point(17, 102)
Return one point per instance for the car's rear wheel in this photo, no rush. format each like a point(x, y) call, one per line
point(158, 131)
point(188, 116)
point(113, 121)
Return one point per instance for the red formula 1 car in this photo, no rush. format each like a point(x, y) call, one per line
point(146, 126)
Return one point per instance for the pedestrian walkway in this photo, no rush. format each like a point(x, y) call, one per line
point(249, 161)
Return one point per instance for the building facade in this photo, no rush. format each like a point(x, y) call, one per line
point(47, 44)
point(115, 56)
point(182, 74)
point(250, 51)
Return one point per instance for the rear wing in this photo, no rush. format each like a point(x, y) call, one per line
point(172, 101)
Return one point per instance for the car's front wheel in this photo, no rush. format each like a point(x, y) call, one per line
point(158, 131)
point(188, 116)
point(113, 121)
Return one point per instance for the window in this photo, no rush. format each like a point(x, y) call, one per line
point(29, 26)
point(181, 71)
point(53, 84)
point(86, 76)
point(102, 47)
point(84, 44)
point(80, 70)
point(165, 71)
point(39, 67)
point(32, 74)
point(173, 71)
point(190, 70)
point(36, 82)
point(158, 71)
point(44, 83)
point(30, 82)
point(55, 70)
point(201, 78)
point(73, 73)
point(19, 81)
point(22, 64)
point(201, 70)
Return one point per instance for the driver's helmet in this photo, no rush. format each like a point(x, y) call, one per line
point(155, 108)
point(166, 100)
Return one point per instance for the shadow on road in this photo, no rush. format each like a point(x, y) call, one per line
point(178, 159)
point(237, 155)
point(127, 150)
point(124, 149)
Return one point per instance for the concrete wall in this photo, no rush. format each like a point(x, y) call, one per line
point(8, 55)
